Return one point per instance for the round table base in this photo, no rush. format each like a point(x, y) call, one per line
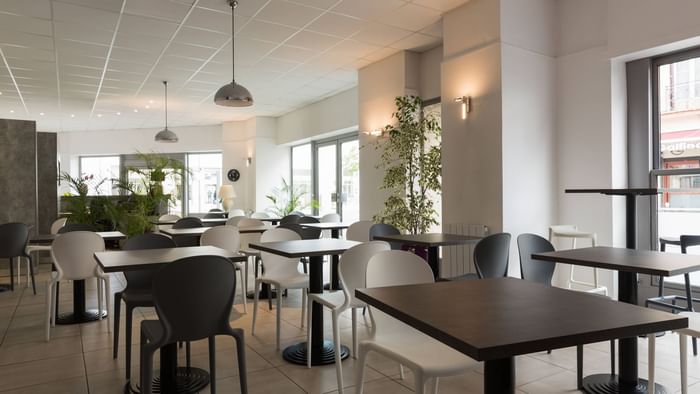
point(188, 382)
point(4, 288)
point(85, 317)
point(608, 384)
point(296, 354)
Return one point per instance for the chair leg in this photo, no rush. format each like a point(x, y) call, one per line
point(434, 384)
point(107, 298)
point(269, 296)
point(684, 362)
point(117, 317)
point(336, 343)
point(31, 272)
point(256, 292)
point(579, 367)
point(652, 359)
point(188, 358)
point(244, 290)
point(612, 357)
point(360, 374)
point(418, 382)
point(146, 367)
point(303, 306)
point(402, 375)
point(279, 316)
point(212, 364)
point(127, 338)
point(354, 332)
point(239, 336)
point(54, 303)
point(49, 312)
point(99, 298)
point(12, 276)
point(689, 300)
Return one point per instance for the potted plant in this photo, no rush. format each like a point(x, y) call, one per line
point(411, 160)
point(287, 199)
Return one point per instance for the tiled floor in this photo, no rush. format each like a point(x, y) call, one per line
point(78, 359)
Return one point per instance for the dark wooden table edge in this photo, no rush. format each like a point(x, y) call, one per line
point(637, 270)
point(295, 255)
point(615, 192)
point(472, 239)
point(134, 267)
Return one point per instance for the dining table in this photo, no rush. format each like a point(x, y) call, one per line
point(498, 319)
point(322, 352)
point(172, 379)
point(334, 228)
point(628, 263)
point(210, 222)
point(431, 241)
point(198, 231)
point(80, 313)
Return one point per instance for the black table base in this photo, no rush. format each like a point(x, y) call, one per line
point(297, 354)
point(499, 376)
point(189, 381)
point(83, 317)
point(608, 384)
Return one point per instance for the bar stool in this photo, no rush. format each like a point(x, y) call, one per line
point(572, 232)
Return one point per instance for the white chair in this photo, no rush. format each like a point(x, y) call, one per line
point(572, 232)
point(328, 218)
point(236, 212)
point(259, 215)
point(352, 269)
point(693, 330)
point(167, 218)
point(282, 273)
point(427, 358)
point(73, 256)
point(55, 226)
point(228, 237)
point(233, 221)
point(359, 231)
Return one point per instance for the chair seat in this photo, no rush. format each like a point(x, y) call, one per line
point(572, 234)
point(334, 299)
point(670, 240)
point(152, 329)
point(300, 281)
point(250, 252)
point(38, 248)
point(142, 297)
point(693, 324)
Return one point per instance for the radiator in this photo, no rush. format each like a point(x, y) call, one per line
point(459, 260)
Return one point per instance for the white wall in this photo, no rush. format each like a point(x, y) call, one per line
point(430, 73)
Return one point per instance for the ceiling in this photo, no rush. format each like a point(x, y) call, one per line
point(99, 64)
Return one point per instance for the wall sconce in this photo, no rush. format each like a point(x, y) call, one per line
point(248, 161)
point(466, 102)
point(374, 133)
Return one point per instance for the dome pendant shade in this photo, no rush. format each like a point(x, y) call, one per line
point(233, 95)
point(166, 135)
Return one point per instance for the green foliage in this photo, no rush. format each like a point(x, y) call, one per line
point(412, 167)
point(287, 199)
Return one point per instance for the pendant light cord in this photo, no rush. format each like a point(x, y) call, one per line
point(166, 104)
point(233, 42)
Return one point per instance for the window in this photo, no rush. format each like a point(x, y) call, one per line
point(302, 174)
point(204, 181)
point(103, 170)
point(434, 108)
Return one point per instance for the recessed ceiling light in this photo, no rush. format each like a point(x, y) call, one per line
point(0, 93)
point(12, 111)
point(72, 115)
point(136, 110)
point(41, 113)
point(119, 113)
point(148, 106)
point(150, 101)
point(99, 115)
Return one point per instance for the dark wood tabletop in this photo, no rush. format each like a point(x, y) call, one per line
point(174, 232)
point(306, 247)
point(126, 260)
point(617, 192)
point(505, 317)
point(430, 239)
point(326, 225)
point(204, 221)
point(49, 238)
point(626, 260)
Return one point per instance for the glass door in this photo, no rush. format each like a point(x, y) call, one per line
point(337, 177)
point(326, 178)
point(350, 181)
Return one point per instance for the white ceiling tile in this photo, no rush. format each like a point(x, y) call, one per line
point(189, 51)
point(85, 16)
point(27, 54)
point(351, 48)
point(160, 9)
point(248, 52)
point(203, 18)
point(16, 38)
point(367, 9)
point(107, 5)
point(441, 5)
point(381, 54)
point(417, 42)
point(411, 17)
point(286, 13)
point(344, 75)
point(322, 4)
point(34, 8)
point(434, 30)
point(205, 38)
point(140, 42)
point(70, 31)
point(275, 65)
point(128, 55)
point(267, 31)
point(292, 54)
point(141, 25)
point(25, 24)
point(337, 25)
point(313, 41)
point(382, 35)
point(68, 49)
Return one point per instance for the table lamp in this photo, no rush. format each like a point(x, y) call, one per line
point(227, 193)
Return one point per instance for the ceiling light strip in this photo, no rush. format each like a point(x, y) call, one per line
point(170, 41)
point(14, 81)
point(58, 79)
point(109, 55)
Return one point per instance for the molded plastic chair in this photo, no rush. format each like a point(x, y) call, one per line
point(216, 210)
point(13, 244)
point(73, 257)
point(572, 232)
point(352, 269)
point(188, 222)
point(282, 273)
point(428, 358)
point(693, 330)
point(259, 215)
point(138, 290)
point(193, 299)
point(298, 213)
point(246, 240)
point(491, 256)
point(304, 233)
point(167, 217)
point(214, 215)
point(70, 227)
point(236, 212)
point(359, 231)
point(55, 226)
point(228, 237)
point(291, 218)
point(330, 218)
point(233, 221)
point(385, 229)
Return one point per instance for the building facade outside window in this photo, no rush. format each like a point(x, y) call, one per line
point(103, 169)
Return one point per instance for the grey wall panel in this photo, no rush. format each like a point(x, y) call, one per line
point(17, 171)
point(47, 173)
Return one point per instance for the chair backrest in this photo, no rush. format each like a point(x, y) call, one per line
point(143, 279)
point(276, 265)
point(298, 213)
point(248, 238)
point(224, 237)
point(214, 215)
point(260, 215)
point(168, 217)
point(188, 222)
point(73, 254)
point(233, 221)
point(308, 219)
point(290, 219)
point(491, 256)
point(385, 229)
point(57, 224)
point(13, 239)
point(330, 218)
point(688, 241)
point(70, 227)
point(193, 297)
point(359, 231)
point(216, 210)
point(304, 232)
point(236, 212)
point(535, 270)
point(352, 268)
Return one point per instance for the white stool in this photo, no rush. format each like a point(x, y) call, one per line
point(572, 232)
point(692, 330)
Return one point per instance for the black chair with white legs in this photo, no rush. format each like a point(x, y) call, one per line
point(193, 298)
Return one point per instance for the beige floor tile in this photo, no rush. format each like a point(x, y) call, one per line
point(41, 371)
point(269, 381)
point(39, 350)
point(322, 379)
point(68, 386)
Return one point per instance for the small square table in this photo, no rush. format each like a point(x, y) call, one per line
point(497, 319)
point(198, 231)
point(432, 241)
point(628, 263)
point(335, 228)
point(206, 222)
point(322, 352)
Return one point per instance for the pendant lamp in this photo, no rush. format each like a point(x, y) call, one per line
point(166, 135)
point(233, 94)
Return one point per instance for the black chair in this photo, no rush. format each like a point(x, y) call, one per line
point(193, 298)
point(76, 227)
point(291, 218)
point(215, 215)
point(215, 210)
point(491, 256)
point(13, 244)
point(542, 272)
point(298, 213)
point(385, 229)
point(188, 222)
point(137, 292)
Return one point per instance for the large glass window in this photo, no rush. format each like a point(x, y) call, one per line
point(204, 180)
point(302, 175)
point(103, 171)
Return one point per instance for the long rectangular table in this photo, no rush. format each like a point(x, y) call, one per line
point(198, 231)
point(497, 319)
point(628, 263)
